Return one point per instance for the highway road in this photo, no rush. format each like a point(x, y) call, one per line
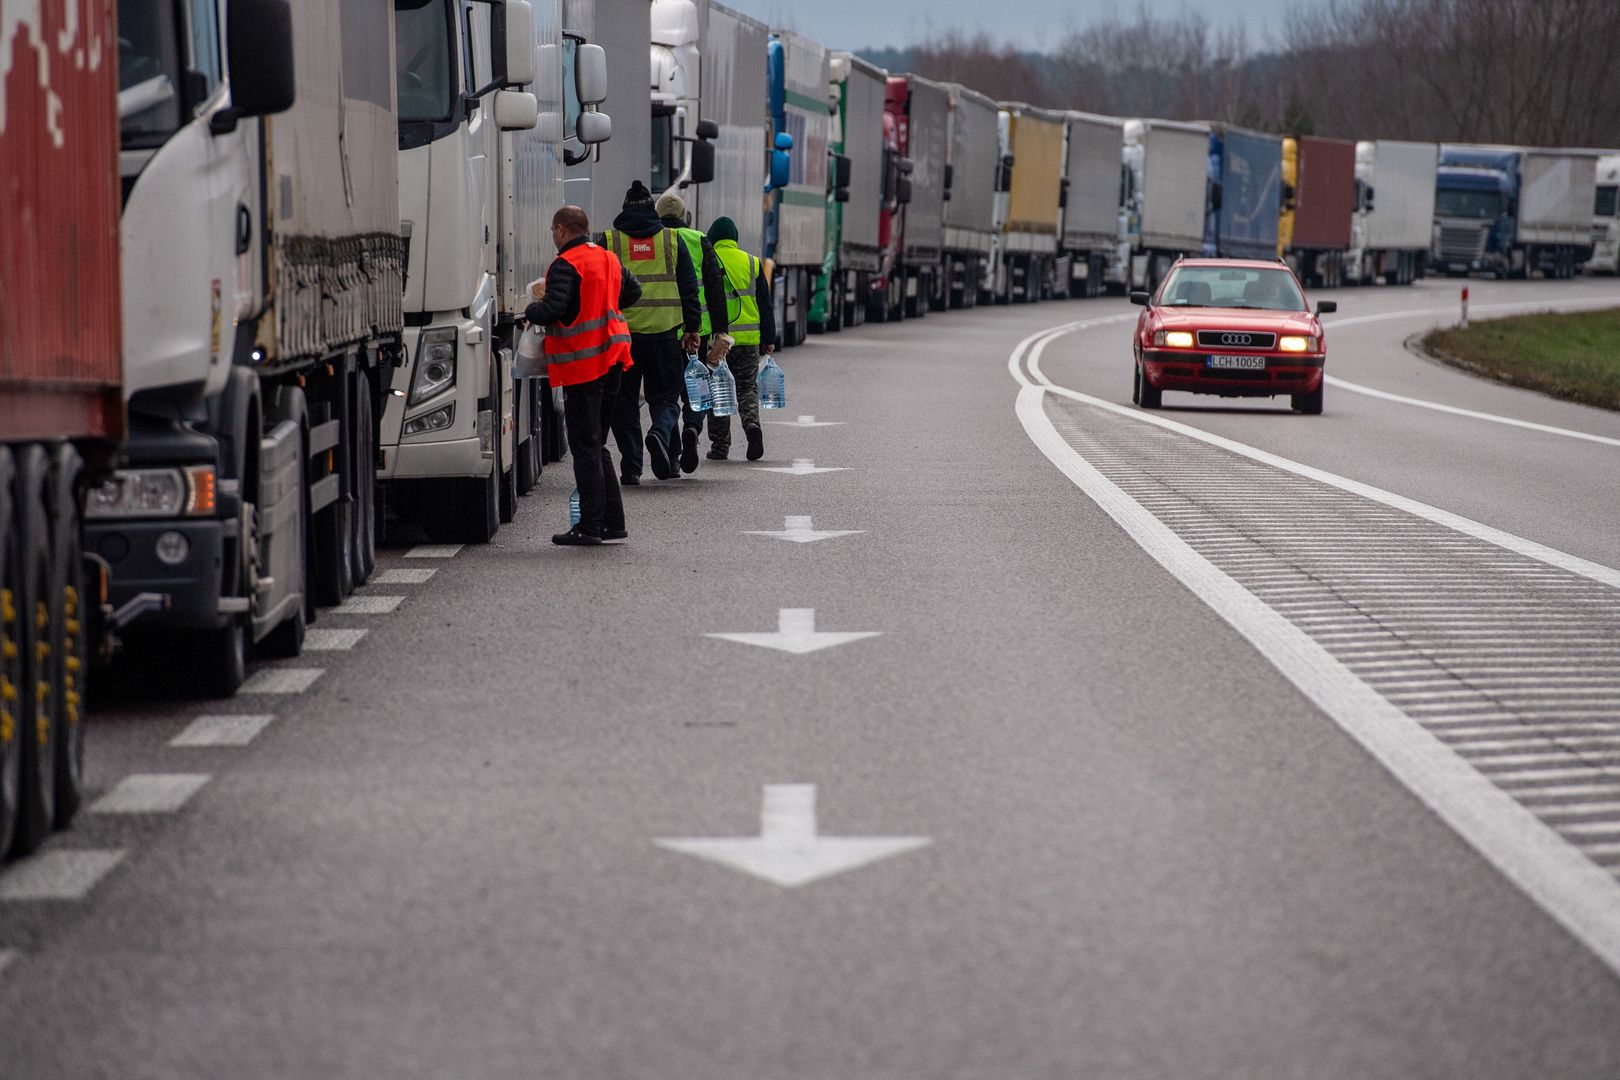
point(990, 729)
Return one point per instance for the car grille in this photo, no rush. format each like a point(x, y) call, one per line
point(1462, 242)
point(1235, 339)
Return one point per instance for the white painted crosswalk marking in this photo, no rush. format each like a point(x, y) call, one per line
point(281, 681)
point(222, 730)
point(332, 640)
point(434, 551)
point(369, 605)
point(150, 793)
point(412, 576)
point(58, 875)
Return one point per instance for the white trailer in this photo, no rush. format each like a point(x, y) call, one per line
point(1393, 223)
point(600, 174)
point(1606, 217)
point(796, 242)
point(1091, 188)
point(975, 171)
point(1167, 190)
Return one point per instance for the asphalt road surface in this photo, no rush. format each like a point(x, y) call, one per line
point(1217, 742)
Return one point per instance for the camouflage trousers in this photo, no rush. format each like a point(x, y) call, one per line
point(743, 360)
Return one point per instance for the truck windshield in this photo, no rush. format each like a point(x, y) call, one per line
point(1608, 200)
point(1232, 287)
point(425, 58)
point(148, 73)
point(1483, 205)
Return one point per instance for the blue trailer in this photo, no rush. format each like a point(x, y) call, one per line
point(1510, 211)
point(1245, 193)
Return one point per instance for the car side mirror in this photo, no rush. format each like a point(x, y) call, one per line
point(514, 34)
point(594, 127)
point(260, 39)
point(1141, 299)
point(590, 74)
point(1327, 307)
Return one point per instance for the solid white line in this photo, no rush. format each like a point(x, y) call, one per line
point(1495, 418)
point(58, 875)
point(222, 730)
point(403, 577)
point(281, 681)
point(434, 551)
point(150, 793)
point(332, 640)
point(369, 605)
point(1580, 895)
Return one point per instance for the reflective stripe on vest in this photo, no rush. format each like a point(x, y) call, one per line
point(653, 260)
point(742, 308)
point(598, 338)
point(694, 248)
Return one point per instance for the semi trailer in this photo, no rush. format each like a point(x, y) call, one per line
point(853, 250)
point(1318, 202)
point(973, 174)
point(1394, 215)
point(1029, 204)
point(1163, 200)
point(919, 112)
point(1510, 211)
point(1092, 201)
point(1245, 193)
point(803, 110)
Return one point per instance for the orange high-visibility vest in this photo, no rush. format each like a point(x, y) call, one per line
point(582, 351)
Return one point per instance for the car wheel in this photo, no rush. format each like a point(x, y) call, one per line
point(1148, 396)
point(1136, 384)
point(1310, 404)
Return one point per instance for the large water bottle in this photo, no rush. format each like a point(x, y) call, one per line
point(772, 385)
point(724, 384)
point(573, 509)
point(699, 392)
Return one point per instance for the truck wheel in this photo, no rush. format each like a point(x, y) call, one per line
point(221, 655)
point(365, 484)
point(11, 667)
point(1310, 404)
point(334, 547)
point(287, 639)
point(528, 462)
point(36, 794)
point(71, 648)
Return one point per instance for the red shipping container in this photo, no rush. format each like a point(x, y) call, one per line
point(61, 360)
point(1326, 196)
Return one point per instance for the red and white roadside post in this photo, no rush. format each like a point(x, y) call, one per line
point(1464, 323)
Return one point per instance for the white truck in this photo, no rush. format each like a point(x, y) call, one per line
point(1166, 186)
point(1393, 221)
point(1606, 218)
point(263, 276)
point(1091, 201)
point(462, 435)
point(600, 173)
point(974, 172)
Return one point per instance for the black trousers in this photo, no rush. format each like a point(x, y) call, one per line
point(659, 367)
point(588, 412)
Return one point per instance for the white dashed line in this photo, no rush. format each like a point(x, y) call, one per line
point(369, 605)
point(150, 793)
point(282, 681)
point(222, 730)
point(434, 551)
point(332, 640)
point(402, 577)
point(58, 875)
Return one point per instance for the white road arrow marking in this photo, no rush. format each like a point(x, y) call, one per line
point(796, 633)
point(788, 852)
point(806, 421)
point(800, 467)
point(798, 530)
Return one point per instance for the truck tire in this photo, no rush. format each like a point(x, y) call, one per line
point(36, 706)
point(70, 649)
point(11, 668)
point(334, 536)
point(365, 483)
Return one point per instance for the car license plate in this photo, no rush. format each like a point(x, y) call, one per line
point(1244, 363)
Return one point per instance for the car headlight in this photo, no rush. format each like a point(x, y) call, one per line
point(1175, 339)
point(435, 364)
point(155, 493)
point(1296, 343)
point(438, 420)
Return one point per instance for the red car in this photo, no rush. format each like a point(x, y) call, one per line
point(1233, 327)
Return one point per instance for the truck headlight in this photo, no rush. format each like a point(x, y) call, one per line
point(435, 364)
point(1295, 343)
point(438, 420)
point(1175, 339)
point(155, 493)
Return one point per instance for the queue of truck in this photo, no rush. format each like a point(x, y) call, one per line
point(266, 264)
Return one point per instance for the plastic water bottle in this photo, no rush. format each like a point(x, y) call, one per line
point(699, 392)
point(724, 384)
point(573, 509)
point(772, 385)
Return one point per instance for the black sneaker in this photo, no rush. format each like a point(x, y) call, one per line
point(658, 457)
point(629, 481)
point(717, 455)
point(756, 441)
point(576, 538)
point(689, 450)
point(615, 534)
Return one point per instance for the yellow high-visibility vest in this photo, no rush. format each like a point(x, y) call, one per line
point(693, 239)
point(653, 260)
point(742, 270)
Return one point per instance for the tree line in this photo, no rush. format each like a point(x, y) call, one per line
point(1530, 72)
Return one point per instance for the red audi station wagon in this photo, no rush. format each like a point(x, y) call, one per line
point(1233, 327)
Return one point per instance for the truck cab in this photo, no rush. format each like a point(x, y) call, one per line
point(1475, 205)
point(1606, 218)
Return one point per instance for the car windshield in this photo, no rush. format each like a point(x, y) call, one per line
point(425, 58)
point(1240, 287)
point(148, 73)
point(1483, 205)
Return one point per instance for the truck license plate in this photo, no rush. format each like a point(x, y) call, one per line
point(1246, 363)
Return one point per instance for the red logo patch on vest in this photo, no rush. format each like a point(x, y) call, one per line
point(642, 250)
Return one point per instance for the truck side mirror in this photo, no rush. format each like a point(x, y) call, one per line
point(902, 190)
point(1215, 197)
point(1288, 196)
point(950, 178)
point(841, 195)
point(708, 129)
point(840, 171)
point(260, 38)
point(1370, 193)
point(784, 141)
point(516, 110)
point(781, 169)
point(702, 162)
point(907, 166)
point(513, 41)
point(594, 127)
point(1063, 194)
point(590, 74)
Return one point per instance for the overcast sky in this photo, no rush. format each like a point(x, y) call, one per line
point(853, 24)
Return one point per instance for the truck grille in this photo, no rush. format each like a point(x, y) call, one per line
point(1235, 339)
point(1461, 243)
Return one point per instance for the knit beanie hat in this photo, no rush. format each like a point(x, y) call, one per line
point(638, 196)
point(723, 229)
point(671, 205)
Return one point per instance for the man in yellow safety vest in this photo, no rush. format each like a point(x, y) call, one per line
point(751, 318)
point(669, 305)
point(672, 212)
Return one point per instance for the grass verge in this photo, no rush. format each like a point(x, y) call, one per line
point(1571, 356)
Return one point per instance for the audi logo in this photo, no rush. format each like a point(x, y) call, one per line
point(1237, 339)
